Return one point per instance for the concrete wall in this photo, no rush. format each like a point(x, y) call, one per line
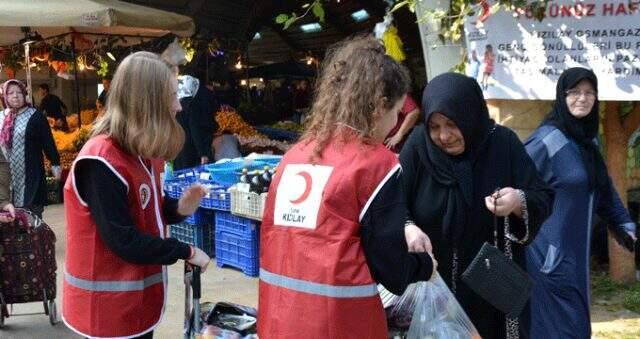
point(65, 89)
point(521, 116)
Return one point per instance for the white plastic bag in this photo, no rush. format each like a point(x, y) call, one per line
point(175, 54)
point(435, 312)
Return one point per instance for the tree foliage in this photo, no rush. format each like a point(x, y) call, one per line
point(451, 21)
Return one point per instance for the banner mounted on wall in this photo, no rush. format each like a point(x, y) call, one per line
point(515, 56)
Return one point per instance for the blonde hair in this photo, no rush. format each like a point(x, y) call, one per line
point(138, 109)
point(355, 78)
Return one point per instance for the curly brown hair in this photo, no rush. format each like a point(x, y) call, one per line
point(356, 78)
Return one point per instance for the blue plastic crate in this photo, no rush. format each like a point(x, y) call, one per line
point(228, 173)
point(202, 216)
point(247, 246)
point(182, 179)
point(192, 174)
point(202, 236)
point(174, 187)
point(238, 251)
point(217, 199)
point(270, 160)
point(227, 222)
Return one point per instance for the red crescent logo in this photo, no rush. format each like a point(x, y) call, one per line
point(307, 190)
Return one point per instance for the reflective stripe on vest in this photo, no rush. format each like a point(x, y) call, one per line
point(113, 286)
point(326, 290)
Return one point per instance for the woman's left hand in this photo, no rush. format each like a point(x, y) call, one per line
point(190, 200)
point(507, 203)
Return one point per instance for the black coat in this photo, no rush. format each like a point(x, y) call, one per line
point(197, 121)
point(502, 163)
point(39, 140)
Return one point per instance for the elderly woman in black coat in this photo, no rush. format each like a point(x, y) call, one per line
point(24, 137)
point(452, 166)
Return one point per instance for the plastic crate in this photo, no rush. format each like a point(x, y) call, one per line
point(192, 174)
point(202, 216)
point(200, 236)
point(174, 187)
point(238, 251)
point(228, 173)
point(248, 204)
point(217, 199)
point(227, 222)
point(270, 159)
point(182, 179)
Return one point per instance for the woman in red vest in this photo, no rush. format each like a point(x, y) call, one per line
point(115, 281)
point(334, 221)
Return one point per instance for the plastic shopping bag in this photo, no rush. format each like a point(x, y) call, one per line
point(435, 312)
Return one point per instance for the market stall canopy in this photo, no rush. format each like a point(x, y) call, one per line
point(55, 17)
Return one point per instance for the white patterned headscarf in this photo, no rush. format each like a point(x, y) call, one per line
point(187, 86)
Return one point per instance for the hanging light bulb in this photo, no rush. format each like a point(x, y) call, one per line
point(81, 60)
point(239, 64)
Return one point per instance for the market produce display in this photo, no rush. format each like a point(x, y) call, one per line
point(289, 126)
point(72, 121)
point(71, 141)
point(229, 120)
point(88, 116)
point(66, 160)
point(262, 144)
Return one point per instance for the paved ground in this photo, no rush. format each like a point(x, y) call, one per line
point(228, 285)
point(218, 285)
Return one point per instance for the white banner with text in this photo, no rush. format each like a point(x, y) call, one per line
point(513, 55)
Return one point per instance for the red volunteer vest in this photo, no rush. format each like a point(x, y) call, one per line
point(103, 295)
point(314, 278)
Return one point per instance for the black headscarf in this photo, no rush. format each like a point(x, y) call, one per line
point(582, 131)
point(460, 99)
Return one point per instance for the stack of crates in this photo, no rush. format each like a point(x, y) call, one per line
point(237, 240)
point(198, 229)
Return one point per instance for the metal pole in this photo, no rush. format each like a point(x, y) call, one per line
point(75, 73)
point(27, 61)
point(247, 75)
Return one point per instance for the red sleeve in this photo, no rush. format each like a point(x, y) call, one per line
point(409, 105)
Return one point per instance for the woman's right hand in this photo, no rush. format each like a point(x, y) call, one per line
point(199, 259)
point(190, 200)
point(417, 241)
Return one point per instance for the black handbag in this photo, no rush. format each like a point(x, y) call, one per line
point(497, 279)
